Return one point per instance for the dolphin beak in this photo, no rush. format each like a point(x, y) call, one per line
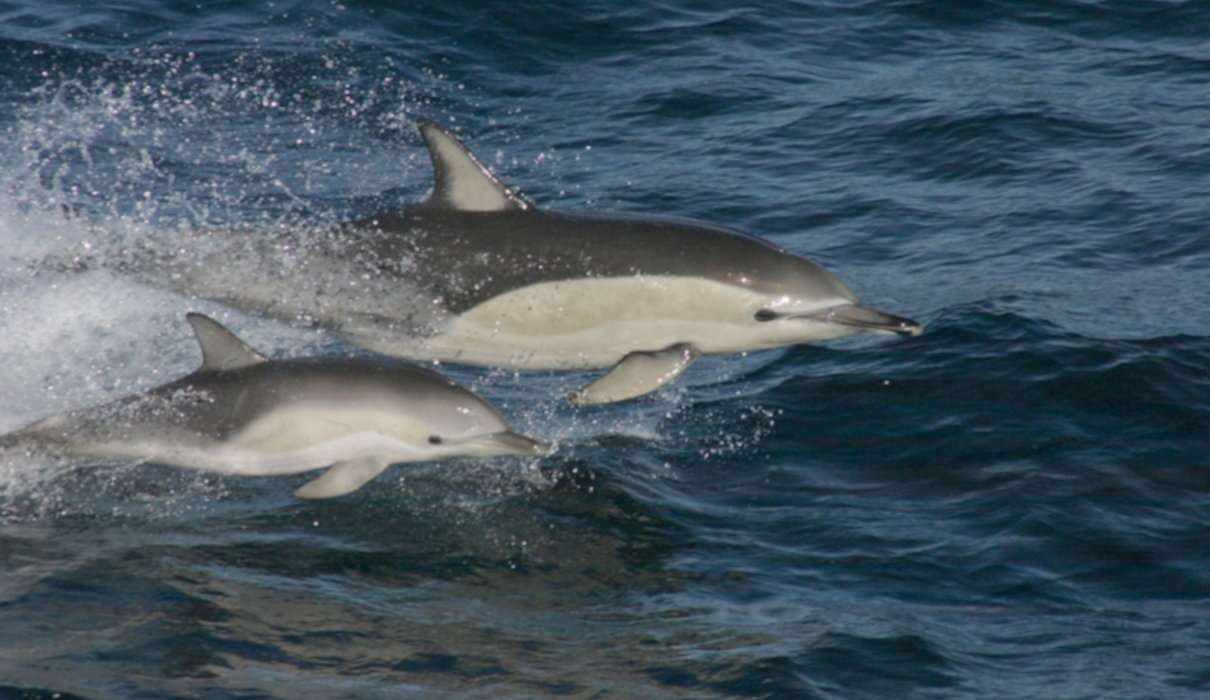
point(519, 444)
point(505, 442)
point(868, 319)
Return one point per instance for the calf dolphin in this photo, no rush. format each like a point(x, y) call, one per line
point(240, 413)
point(478, 275)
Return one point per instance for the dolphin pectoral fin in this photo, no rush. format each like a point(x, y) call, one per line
point(342, 478)
point(868, 319)
point(638, 373)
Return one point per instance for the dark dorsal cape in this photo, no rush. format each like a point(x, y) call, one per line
point(474, 239)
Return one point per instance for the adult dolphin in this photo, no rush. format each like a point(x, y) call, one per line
point(240, 413)
point(476, 274)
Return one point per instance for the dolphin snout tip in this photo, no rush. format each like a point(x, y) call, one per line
point(519, 444)
point(505, 442)
point(909, 328)
point(861, 317)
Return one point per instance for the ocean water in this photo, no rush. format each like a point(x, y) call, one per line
point(1015, 504)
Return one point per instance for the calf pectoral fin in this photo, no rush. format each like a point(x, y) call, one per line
point(342, 478)
point(638, 373)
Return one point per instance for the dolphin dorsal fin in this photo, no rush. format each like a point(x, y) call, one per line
point(221, 349)
point(460, 181)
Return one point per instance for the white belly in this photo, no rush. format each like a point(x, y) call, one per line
point(595, 322)
point(285, 442)
point(302, 438)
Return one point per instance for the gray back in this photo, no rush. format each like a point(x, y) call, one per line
point(466, 258)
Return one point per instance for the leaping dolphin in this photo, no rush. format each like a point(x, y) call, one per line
point(240, 413)
point(476, 274)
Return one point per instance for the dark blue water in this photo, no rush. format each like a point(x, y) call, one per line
point(1015, 504)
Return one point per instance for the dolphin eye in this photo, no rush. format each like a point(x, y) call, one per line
point(435, 440)
point(766, 315)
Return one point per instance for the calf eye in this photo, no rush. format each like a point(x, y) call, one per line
point(435, 440)
point(766, 315)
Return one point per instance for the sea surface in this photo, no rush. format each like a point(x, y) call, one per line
point(1015, 504)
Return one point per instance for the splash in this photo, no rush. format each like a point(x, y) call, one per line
point(164, 154)
point(140, 153)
